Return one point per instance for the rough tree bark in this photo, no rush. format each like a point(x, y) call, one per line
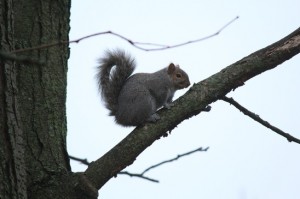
point(33, 158)
point(33, 113)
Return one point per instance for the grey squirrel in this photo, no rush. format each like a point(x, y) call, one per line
point(134, 99)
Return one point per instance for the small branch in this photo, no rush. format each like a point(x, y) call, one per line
point(259, 120)
point(164, 47)
point(83, 161)
point(133, 43)
point(173, 159)
point(141, 175)
point(138, 175)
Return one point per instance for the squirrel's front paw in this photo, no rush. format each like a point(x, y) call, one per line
point(153, 118)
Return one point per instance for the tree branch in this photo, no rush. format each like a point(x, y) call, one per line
point(190, 104)
point(138, 175)
point(259, 120)
point(141, 175)
point(133, 43)
point(83, 161)
point(174, 159)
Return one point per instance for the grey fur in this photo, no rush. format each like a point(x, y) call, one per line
point(134, 99)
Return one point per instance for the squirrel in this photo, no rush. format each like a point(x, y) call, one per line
point(134, 99)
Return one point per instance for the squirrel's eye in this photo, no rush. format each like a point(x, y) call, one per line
point(178, 75)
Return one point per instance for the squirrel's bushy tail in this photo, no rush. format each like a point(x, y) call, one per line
point(111, 80)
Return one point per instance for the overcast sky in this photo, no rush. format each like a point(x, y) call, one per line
point(245, 160)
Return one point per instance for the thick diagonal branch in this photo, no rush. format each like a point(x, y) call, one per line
point(192, 103)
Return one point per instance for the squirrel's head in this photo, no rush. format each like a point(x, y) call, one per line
point(179, 78)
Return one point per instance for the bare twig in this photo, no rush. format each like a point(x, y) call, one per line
point(83, 161)
point(133, 43)
point(164, 47)
point(173, 159)
point(138, 176)
point(255, 117)
point(141, 175)
point(11, 55)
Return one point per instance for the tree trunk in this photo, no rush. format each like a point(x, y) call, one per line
point(12, 173)
point(32, 99)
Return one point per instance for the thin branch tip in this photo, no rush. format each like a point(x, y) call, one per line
point(256, 117)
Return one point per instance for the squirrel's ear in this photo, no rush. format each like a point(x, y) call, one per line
point(171, 68)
